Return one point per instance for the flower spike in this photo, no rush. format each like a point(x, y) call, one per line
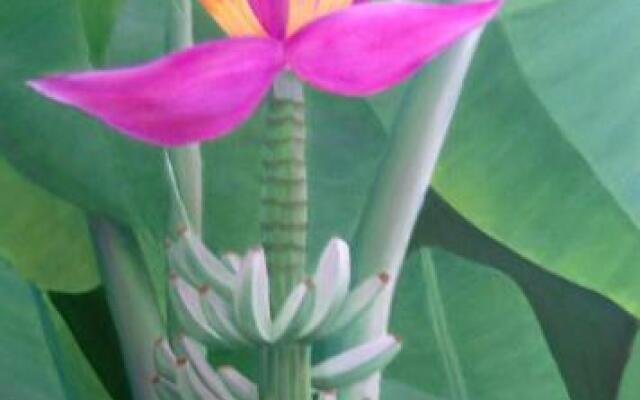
point(205, 92)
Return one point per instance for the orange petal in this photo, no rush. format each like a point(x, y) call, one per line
point(301, 12)
point(234, 17)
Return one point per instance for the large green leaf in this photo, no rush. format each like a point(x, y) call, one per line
point(630, 388)
point(535, 186)
point(469, 333)
point(38, 36)
point(583, 67)
point(38, 358)
point(392, 389)
point(589, 335)
point(88, 318)
point(141, 31)
point(43, 237)
point(508, 168)
point(65, 151)
point(98, 17)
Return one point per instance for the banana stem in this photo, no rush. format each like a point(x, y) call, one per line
point(128, 289)
point(186, 161)
point(131, 301)
point(285, 369)
point(186, 165)
point(385, 229)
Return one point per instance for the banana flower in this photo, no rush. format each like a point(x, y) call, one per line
point(206, 91)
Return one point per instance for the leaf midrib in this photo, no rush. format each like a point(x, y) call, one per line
point(448, 351)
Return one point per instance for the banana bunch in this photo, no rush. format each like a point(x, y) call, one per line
point(225, 303)
point(183, 372)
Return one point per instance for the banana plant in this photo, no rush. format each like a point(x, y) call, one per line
point(264, 297)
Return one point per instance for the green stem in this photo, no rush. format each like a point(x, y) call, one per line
point(285, 368)
point(186, 161)
point(179, 25)
point(187, 170)
point(385, 229)
point(131, 301)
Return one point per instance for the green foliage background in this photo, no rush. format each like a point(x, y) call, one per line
point(522, 281)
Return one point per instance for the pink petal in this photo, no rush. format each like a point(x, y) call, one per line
point(273, 15)
point(198, 94)
point(370, 47)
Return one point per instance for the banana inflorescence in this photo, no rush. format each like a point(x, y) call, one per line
point(225, 303)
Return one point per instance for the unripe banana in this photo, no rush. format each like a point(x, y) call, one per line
point(331, 282)
point(355, 364)
point(233, 262)
point(189, 384)
point(186, 305)
point(219, 315)
point(164, 359)
point(195, 354)
point(251, 298)
point(164, 389)
point(328, 395)
point(239, 385)
point(357, 302)
point(199, 266)
point(293, 311)
point(176, 261)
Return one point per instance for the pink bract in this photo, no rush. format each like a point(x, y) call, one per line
point(206, 91)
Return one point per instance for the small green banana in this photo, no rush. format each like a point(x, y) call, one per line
point(239, 385)
point(189, 384)
point(293, 310)
point(200, 266)
point(355, 364)
point(186, 305)
point(164, 359)
point(328, 395)
point(357, 302)
point(331, 282)
point(251, 298)
point(219, 315)
point(195, 354)
point(233, 262)
point(177, 261)
point(164, 389)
